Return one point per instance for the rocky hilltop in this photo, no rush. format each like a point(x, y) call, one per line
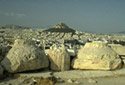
point(61, 27)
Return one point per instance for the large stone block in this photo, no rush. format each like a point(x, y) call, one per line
point(97, 55)
point(24, 56)
point(119, 49)
point(59, 58)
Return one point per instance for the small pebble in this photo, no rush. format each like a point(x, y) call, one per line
point(76, 82)
point(61, 81)
point(70, 81)
point(27, 80)
point(92, 81)
point(58, 78)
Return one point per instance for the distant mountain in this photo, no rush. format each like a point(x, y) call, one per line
point(13, 27)
point(123, 32)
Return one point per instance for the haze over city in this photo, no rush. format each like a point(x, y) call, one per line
point(104, 16)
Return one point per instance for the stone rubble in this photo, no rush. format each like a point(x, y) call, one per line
point(92, 81)
point(60, 48)
point(70, 81)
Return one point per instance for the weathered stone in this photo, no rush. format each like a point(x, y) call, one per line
point(92, 81)
point(70, 81)
point(78, 74)
point(43, 74)
point(120, 72)
point(69, 74)
point(59, 80)
point(77, 82)
point(59, 58)
point(97, 55)
point(3, 51)
point(119, 49)
point(24, 56)
point(1, 71)
point(71, 52)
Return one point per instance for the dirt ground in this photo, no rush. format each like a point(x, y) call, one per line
point(115, 80)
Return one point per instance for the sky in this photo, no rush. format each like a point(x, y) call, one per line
point(101, 16)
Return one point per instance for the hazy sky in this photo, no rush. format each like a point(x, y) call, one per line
point(103, 16)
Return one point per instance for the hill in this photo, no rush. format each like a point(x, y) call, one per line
point(61, 27)
point(10, 26)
